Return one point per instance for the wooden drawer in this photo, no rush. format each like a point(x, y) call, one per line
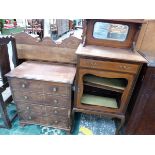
point(57, 88)
point(57, 101)
point(28, 97)
point(26, 85)
point(107, 65)
point(57, 111)
point(28, 108)
point(41, 110)
point(54, 121)
point(57, 121)
point(40, 86)
point(43, 99)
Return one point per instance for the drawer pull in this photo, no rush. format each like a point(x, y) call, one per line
point(25, 97)
point(54, 89)
point(55, 101)
point(27, 108)
point(23, 86)
point(55, 111)
point(29, 117)
point(124, 67)
point(55, 122)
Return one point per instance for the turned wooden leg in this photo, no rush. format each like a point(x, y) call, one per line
point(122, 121)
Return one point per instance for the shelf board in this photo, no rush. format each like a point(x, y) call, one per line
point(112, 84)
point(99, 101)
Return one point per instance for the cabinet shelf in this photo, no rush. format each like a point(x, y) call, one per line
point(113, 84)
point(99, 101)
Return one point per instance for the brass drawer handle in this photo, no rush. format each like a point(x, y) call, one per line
point(55, 101)
point(25, 97)
point(55, 111)
point(23, 86)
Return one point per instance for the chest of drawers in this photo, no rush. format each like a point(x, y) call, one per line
point(42, 93)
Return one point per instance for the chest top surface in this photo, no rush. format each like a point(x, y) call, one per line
point(45, 72)
point(110, 53)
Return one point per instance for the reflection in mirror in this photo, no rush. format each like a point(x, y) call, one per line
point(57, 29)
point(110, 31)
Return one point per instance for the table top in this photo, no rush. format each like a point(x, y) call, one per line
point(110, 53)
point(44, 71)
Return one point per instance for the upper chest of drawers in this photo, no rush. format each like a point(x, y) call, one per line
point(42, 83)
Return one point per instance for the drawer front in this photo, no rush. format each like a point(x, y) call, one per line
point(50, 111)
point(107, 65)
point(57, 101)
point(26, 85)
point(41, 110)
point(54, 121)
point(43, 99)
point(40, 86)
point(28, 97)
point(57, 121)
point(57, 89)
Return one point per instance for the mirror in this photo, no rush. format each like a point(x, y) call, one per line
point(110, 31)
point(57, 29)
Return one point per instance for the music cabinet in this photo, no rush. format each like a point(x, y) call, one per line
point(107, 68)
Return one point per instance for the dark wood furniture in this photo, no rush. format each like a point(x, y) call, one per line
point(5, 68)
point(42, 93)
point(142, 110)
point(98, 61)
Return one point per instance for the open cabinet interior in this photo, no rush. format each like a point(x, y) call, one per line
point(102, 91)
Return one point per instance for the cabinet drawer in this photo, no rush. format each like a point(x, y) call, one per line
point(57, 101)
point(54, 121)
point(57, 89)
point(43, 99)
point(107, 65)
point(26, 85)
point(50, 111)
point(41, 110)
point(40, 86)
point(28, 97)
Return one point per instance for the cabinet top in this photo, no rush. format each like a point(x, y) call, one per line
point(44, 71)
point(110, 53)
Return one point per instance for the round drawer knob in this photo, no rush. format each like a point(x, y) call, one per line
point(54, 89)
point(29, 117)
point(55, 111)
point(55, 101)
point(27, 108)
point(23, 86)
point(56, 122)
point(25, 97)
point(124, 67)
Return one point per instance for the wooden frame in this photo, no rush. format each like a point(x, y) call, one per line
point(90, 40)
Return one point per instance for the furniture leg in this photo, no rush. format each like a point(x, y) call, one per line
point(4, 113)
point(122, 121)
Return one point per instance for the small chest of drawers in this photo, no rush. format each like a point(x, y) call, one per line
point(42, 93)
